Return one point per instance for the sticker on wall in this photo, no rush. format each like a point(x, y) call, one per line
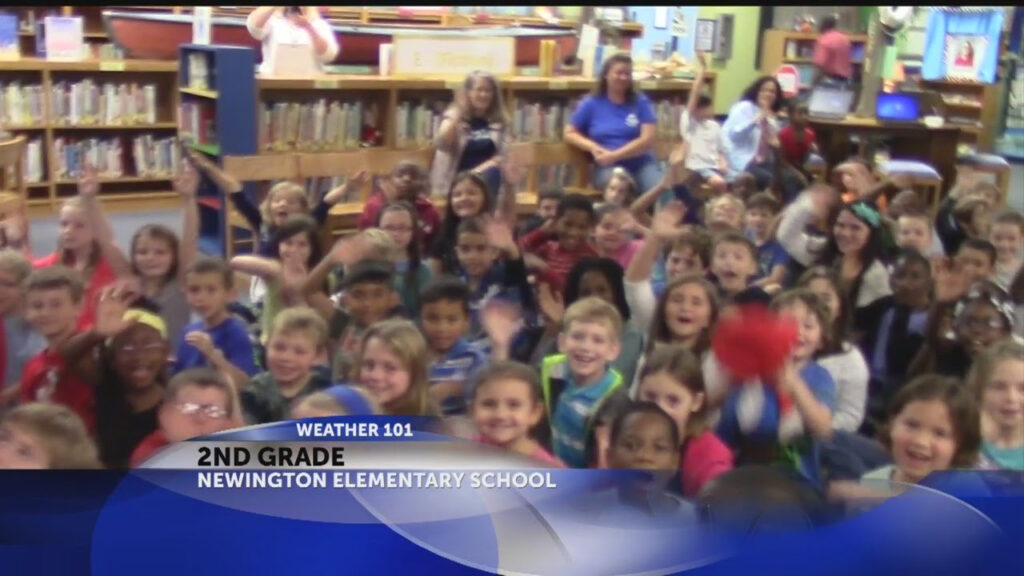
point(964, 54)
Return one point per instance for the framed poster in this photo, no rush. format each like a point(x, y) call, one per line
point(706, 30)
point(964, 55)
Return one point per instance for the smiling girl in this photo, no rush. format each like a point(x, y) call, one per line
point(393, 365)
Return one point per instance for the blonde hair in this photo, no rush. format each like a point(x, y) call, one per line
point(15, 263)
point(593, 309)
point(496, 114)
point(381, 244)
point(406, 342)
point(60, 432)
point(282, 188)
point(985, 364)
point(727, 197)
point(328, 403)
point(77, 203)
point(301, 320)
point(620, 173)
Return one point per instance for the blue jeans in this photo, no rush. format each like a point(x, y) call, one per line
point(646, 177)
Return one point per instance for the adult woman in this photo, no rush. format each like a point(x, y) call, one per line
point(751, 129)
point(275, 25)
point(472, 135)
point(616, 125)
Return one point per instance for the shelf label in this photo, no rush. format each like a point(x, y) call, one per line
point(326, 84)
point(113, 66)
point(417, 56)
point(558, 84)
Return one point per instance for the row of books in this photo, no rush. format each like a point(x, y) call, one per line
point(668, 112)
point(198, 120)
point(144, 156)
point(316, 126)
point(86, 102)
point(199, 71)
point(21, 105)
point(541, 121)
point(417, 122)
point(32, 167)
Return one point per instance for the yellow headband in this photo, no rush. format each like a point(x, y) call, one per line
point(148, 318)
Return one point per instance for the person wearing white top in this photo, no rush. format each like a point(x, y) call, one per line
point(276, 25)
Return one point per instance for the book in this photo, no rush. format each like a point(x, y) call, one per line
point(64, 38)
point(9, 47)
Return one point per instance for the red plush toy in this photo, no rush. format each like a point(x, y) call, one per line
point(754, 342)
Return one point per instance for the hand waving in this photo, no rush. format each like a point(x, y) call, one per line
point(350, 250)
point(551, 303)
point(667, 222)
point(500, 321)
point(499, 234)
point(186, 181)
point(110, 309)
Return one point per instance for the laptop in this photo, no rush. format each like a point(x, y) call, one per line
point(898, 108)
point(830, 103)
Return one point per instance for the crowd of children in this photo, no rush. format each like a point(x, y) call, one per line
point(579, 337)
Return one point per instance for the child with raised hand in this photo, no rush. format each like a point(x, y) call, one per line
point(579, 380)
point(338, 400)
point(997, 377)
point(762, 208)
point(297, 341)
point(408, 183)
point(706, 154)
point(977, 258)
point(78, 246)
point(841, 358)
point(468, 198)
point(53, 303)
point(1007, 235)
point(733, 263)
point(197, 402)
point(672, 379)
point(725, 213)
point(666, 228)
point(393, 365)
point(933, 426)
point(553, 249)
point(506, 404)
point(398, 220)
point(445, 320)
point(217, 339)
point(19, 342)
point(547, 206)
point(14, 224)
point(40, 436)
point(614, 234)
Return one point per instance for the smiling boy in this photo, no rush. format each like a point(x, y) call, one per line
point(578, 381)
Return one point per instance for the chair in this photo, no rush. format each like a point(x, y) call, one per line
point(12, 178)
point(990, 164)
point(247, 169)
point(926, 180)
point(556, 157)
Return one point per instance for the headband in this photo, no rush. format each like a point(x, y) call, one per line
point(147, 318)
point(866, 213)
point(1003, 305)
point(355, 403)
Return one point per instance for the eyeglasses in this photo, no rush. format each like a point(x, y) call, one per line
point(211, 411)
point(148, 347)
point(981, 324)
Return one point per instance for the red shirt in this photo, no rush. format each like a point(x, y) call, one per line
point(150, 445)
point(832, 54)
point(560, 262)
point(46, 379)
point(795, 150)
point(102, 276)
point(704, 457)
point(425, 211)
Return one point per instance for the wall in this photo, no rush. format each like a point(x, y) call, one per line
point(738, 72)
point(645, 15)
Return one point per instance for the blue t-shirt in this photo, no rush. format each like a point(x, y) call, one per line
point(479, 146)
point(769, 255)
point(460, 364)
point(23, 343)
point(612, 125)
point(230, 337)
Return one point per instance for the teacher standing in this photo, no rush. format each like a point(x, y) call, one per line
point(275, 25)
point(616, 125)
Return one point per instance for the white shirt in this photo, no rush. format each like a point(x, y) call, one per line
point(705, 139)
point(278, 29)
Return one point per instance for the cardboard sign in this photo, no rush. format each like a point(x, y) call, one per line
point(452, 56)
point(789, 78)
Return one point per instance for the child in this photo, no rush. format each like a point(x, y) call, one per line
point(733, 263)
point(772, 259)
point(18, 341)
point(1007, 235)
point(159, 259)
point(685, 315)
point(967, 217)
point(858, 182)
point(547, 206)
point(672, 379)
point(997, 378)
point(977, 258)
point(843, 361)
point(79, 246)
point(797, 139)
point(197, 402)
point(724, 213)
point(506, 404)
point(613, 236)
point(393, 365)
point(706, 155)
point(297, 340)
point(412, 272)
point(53, 303)
point(38, 436)
point(444, 319)
point(338, 400)
point(621, 188)
point(218, 339)
point(467, 198)
point(408, 183)
point(578, 381)
point(14, 224)
point(802, 397)
point(933, 426)
point(914, 232)
point(555, 248)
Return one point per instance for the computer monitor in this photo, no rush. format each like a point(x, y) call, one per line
point(830, 102)
point(898, 107)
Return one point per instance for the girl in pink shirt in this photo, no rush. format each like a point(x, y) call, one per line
point(615, 234)
point(672, 379)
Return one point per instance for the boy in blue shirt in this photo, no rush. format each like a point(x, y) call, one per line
point(578, 382)
point(444, 320)
point(219, 340)
point(772, 258)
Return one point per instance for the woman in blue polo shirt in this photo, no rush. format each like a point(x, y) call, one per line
point(616, 125)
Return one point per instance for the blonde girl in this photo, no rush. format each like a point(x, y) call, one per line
point(997, 378)
point(621, 188)
point(38, 436)
point(339, 400)
point(393, 364)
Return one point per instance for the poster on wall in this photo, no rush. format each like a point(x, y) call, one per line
point(964, 54)
point(679, 23)
point(962, 45)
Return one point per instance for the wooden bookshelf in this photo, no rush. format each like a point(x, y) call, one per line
point(971, 106)
point(29, 17)
point(779, 47)
point(132, 191)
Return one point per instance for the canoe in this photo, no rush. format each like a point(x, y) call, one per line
point(156, 36)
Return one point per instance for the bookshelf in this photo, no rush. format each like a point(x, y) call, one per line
point(118, 115)
point(780, 47)
point(30, 20)
point(217, 116)
point(971, 106)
